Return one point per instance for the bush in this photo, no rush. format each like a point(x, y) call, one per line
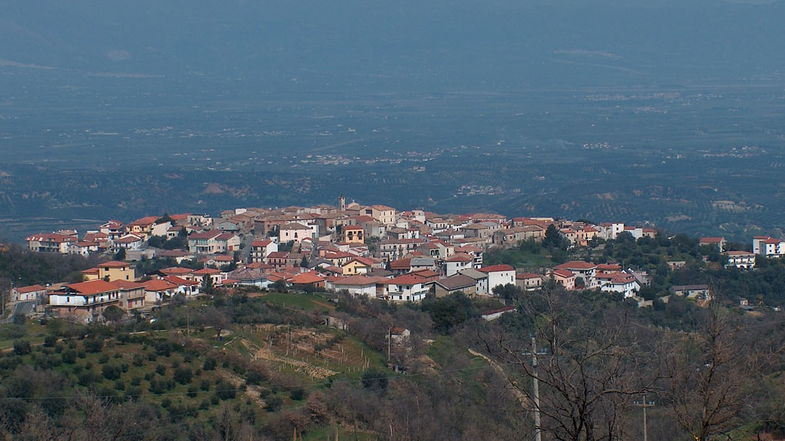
point(374, 380)
point(209, 364)
point(225, 391)
point(160, 369)
point(138, 360)
point(183, 375)
point(110, 372)
point(69, 356)
point(93, 345)
point(50, 341)
point(193, 391)
point(274, 403)
point(22, 347)
point(297, 394)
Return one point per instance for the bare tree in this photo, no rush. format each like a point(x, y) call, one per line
point(592, 372)
point(710, 377)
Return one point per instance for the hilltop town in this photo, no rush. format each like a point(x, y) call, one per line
point(374, 251)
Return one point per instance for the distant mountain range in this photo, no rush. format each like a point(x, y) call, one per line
point(406, 44)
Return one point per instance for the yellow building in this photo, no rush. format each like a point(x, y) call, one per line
point(353, 234)
point(357, 265)
point(114, 270)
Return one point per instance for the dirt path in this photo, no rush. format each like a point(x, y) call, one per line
point(515, 388)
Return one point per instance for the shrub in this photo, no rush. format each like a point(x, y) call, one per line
point(69, 356)
point(183, 375)
point(274, 403)
point(50, 341)
point(209, 364)
point(138, 360)
point(110, 372)
point(160, 369)
point(22, 347)
point(297, 394)
point(93, 345)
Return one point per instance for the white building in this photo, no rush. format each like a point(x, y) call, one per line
point(498, 275)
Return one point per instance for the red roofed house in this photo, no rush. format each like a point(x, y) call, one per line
point(28, 293)
point(278, 259)
point(619, 282)
point(358, 265)
point(353, 234)
point(261, 249)
point(131, 294)
point(406, 288)
point(358, 285)
point(564, 278)
point(85, 300)
point(718, 242)
point(158, 291)
point(213, 242)
point(115, 270)
point(50, 243)
point(217, 276)
point(528, 281)
point(184, 286)
point(308, 279)
point(498, 275)
point(585, 270)
point(456, 263)
point(743, 260)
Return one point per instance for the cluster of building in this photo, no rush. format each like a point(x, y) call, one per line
point(365, 250)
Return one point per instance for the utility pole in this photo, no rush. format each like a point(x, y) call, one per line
point(536, 388)
point(644, 404)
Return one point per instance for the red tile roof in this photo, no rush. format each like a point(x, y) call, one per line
point(406, 279)
point(176, 270)
point(496, 268)
point(92, 287)
point(308, 278)
point(207, 271)
point(576, 265)
point(460, 257)
point(158, 285)
point(563, 273)
point(31, 288)
point(114, 264)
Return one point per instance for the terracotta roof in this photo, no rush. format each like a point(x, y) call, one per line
point(180, 281)
point(148, 220)
point(91, 271)
point(278, 255)
point(174, 270)
point(352, 227)
point(158, 285)
point(363, 260)
point(739, 253)
point(51, 237)
point(125, 284)
point(206, 234)
point(31, 288)
point(460, 257)
point(306, 279)
point(357, 280)
point(261, 243)
point(92, 287)
point(406, 279)
point(576, 265)
point(563, 273)
point(496, 268)
point(524, 276)
point(401, 264)
point(207, 271)
point(294, 226)
point(114, 264)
